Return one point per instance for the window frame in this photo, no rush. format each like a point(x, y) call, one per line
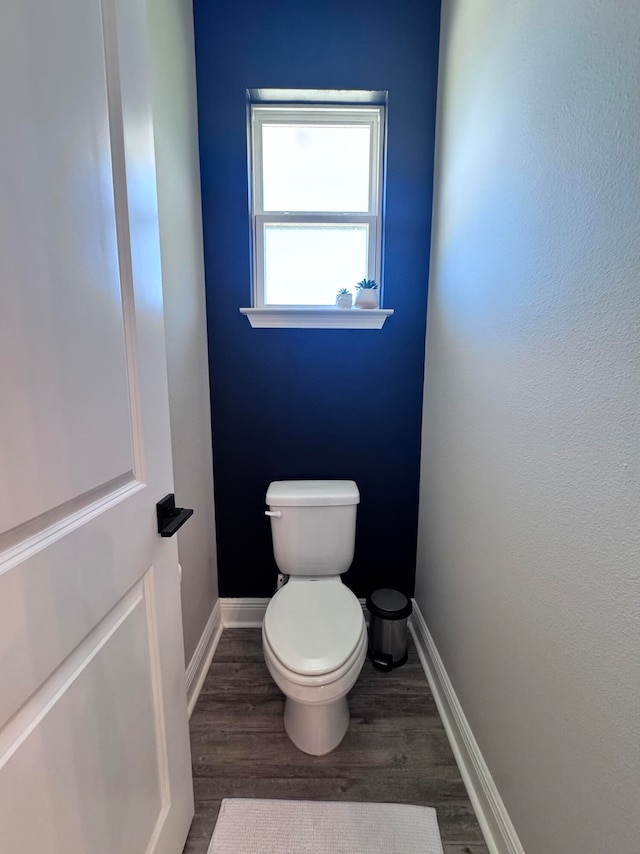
point(369, 115)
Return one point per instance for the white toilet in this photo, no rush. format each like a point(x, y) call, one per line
point(314, 635)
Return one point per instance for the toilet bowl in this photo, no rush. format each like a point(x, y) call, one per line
point(314, 659)
point(314, 633)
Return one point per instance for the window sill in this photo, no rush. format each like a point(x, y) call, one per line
point(278, 317)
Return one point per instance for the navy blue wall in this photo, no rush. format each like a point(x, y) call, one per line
point(317, 403)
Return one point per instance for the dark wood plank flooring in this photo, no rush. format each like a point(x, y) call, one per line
point(396, 749)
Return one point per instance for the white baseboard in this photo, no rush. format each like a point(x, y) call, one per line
point(202, 656)
point(246, 613)
point(499, 832)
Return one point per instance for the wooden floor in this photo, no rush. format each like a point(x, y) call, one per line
point(395, 750)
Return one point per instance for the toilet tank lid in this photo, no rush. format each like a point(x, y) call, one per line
point(312, 493)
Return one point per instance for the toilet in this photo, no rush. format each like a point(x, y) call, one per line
point(314, 634)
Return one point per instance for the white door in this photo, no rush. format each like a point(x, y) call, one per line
point(94, 752)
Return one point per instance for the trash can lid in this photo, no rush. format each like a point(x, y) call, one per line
point(389, 604)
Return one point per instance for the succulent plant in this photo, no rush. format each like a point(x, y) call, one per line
point(367, 285)
point(343, 291)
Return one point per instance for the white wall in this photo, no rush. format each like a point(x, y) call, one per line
point(178, 167)
point(529, 540)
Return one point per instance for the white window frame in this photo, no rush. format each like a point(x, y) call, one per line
point(324, 115)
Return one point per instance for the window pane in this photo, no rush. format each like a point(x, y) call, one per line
point(306, 264)
point(318, 169)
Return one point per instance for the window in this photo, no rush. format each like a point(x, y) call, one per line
point(316, 204)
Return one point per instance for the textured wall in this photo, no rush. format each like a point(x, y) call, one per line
point(175, 129)
point(312, 403)
point(529, 541)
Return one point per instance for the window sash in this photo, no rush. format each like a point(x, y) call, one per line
point(322, 117)
point(308, 219)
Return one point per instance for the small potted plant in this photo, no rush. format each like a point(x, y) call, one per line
point(367, 296)
point(344, 298)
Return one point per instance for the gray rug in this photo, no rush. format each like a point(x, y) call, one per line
point(247, 826)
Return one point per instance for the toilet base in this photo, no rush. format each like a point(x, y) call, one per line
point(316, 729)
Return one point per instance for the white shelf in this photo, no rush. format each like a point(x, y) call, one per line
point(316, 318)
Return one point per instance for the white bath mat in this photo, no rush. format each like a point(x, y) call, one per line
point(248, 826)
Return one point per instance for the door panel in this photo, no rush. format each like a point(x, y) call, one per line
point(113, 795)
point(60, 255)
point(94, 752)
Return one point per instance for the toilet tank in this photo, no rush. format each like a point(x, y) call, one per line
point(314, 526)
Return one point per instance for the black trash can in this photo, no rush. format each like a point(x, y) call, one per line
point(389, 611)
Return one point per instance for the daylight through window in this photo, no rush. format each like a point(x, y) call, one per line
point(316, 188)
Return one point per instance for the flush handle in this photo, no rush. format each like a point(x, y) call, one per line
point(276, 513)
point(170, 517)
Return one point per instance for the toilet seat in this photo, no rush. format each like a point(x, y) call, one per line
point(314, 628)
point(324, 680)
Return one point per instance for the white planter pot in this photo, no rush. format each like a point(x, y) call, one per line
point(344, 300)
point(367, 298)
